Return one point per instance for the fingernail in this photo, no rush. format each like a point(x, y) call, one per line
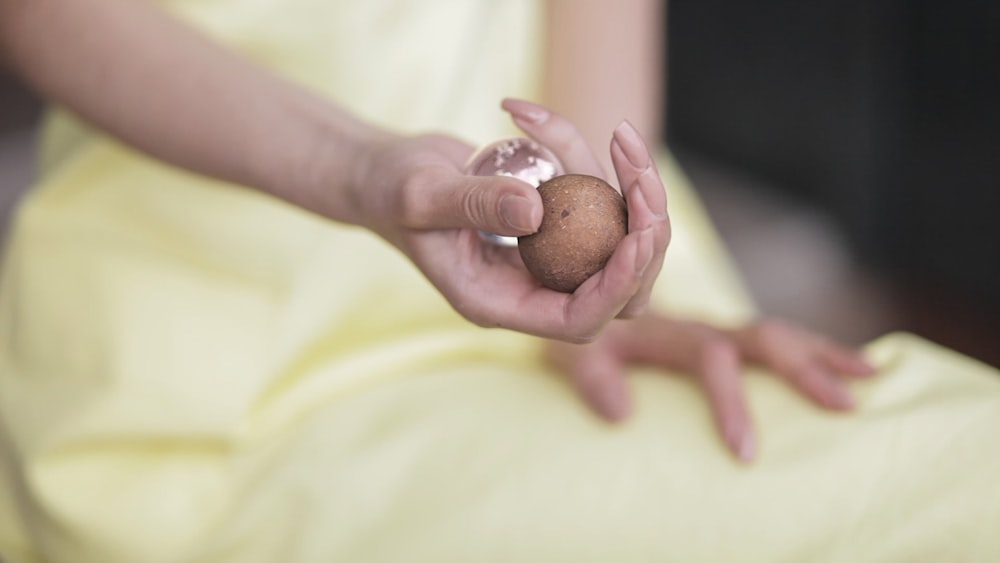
point(864, 366)
point(632, 145)
point(526, 111)
point(613, 403)
point(747, 448)
point(740, 440)
point(838, 397)
point(518, 212)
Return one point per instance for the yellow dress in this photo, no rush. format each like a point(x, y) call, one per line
point(191, 372)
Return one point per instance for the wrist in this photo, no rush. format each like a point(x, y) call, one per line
point(315, 161)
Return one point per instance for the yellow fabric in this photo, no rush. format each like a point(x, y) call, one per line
point(193, 372)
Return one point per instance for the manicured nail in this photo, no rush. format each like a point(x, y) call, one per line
point(631, 144)
point(740, 440)
point(518, 212)
point(613, 402)
point(838, 397)
point(864, 367)
point(747, 448)
point(526, 111)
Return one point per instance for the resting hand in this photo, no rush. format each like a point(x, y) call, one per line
point(412, 191)
point(811, 364)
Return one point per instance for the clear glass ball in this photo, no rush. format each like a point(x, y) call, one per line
point(519, 158)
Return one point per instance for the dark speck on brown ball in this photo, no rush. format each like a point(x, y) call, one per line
point(584, 220)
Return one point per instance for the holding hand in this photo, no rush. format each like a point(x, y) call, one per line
point(810, 363)
point(413, 192)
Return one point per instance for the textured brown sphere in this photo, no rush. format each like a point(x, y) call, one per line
point(584, 220)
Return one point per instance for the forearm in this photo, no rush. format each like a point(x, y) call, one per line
point(136, 73)
point(604, 63)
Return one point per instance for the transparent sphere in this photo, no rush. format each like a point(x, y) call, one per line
point(519, 158)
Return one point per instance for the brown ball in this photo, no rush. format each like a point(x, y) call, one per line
point(584, 220)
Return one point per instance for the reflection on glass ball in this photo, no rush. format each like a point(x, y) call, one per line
point(519, 158)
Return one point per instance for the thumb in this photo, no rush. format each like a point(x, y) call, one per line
point(500, 205)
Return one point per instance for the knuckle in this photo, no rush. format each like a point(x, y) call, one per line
point(435, 138)
point(706, 333)
point(475, 203)
point(797, 371)
point(574, 332)
point(771, 331)
point(634, 310)
point(715, 346)
point(412, 201)
point(663, 233)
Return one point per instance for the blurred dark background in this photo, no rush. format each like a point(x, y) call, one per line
point(856, 145)
point(848, 152)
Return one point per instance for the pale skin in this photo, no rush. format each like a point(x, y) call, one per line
point(105, 60)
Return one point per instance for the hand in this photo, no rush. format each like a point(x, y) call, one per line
point(412, 191)
point(810, 363)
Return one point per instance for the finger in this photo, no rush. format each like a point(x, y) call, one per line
point(556, 133)
point(721, 374)
point(646, 198)
point(576, 317)
point(817, 383)
point(439, 199)
point(791, 353)
point(843, 360)
point(599, 376)
point(632, 159)
point(452, 148)
point(603, 296)
point(491, 291)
